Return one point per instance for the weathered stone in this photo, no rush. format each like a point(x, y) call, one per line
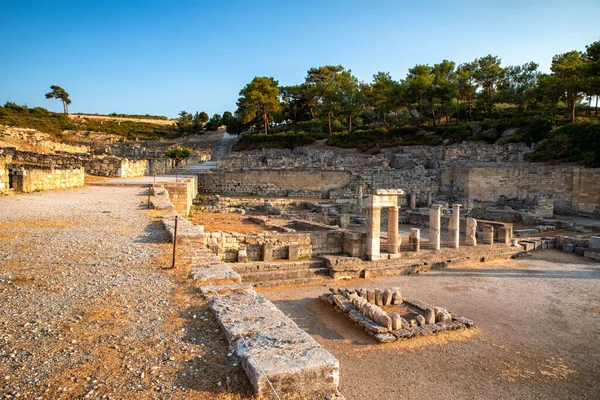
point(488, 234)
point(429, 316)
point(403, 334)
point(444, 316)
point(387, 297)
point(414, 240)
point(396, 321)
point(420, 320)
point(371, 296)
point(301, 373)
point(404, 323)
point(378, 297)
point(242, 256)
point(568, 248)
point(385, 337)
point(387, 322)
point(396, 297)
point(412, 323)
point(471, 232)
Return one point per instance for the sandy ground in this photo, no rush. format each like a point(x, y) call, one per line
point(88, 310)
point(538, 333)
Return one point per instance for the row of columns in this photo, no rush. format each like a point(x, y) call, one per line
point(435, 225)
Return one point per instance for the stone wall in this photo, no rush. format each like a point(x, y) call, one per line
point(276, 183)
point(573, 188)
point(4, 179)
point(40, 178)
point(181, 194)
point(464, 173)
point(40, 139)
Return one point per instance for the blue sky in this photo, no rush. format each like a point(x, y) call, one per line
point(161, 57)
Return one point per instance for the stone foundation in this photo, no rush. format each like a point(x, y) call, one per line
point(364, 308)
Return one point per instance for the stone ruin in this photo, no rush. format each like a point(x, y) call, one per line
point(404, 318)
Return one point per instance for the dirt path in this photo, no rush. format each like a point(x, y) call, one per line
point(87, 310)
point(537, 337)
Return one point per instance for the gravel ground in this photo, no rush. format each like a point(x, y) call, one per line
point(538, 333)
point(87, 309)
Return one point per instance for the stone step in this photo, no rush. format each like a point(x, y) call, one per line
point(263, 276)
point(296, 281)
point(243, 268)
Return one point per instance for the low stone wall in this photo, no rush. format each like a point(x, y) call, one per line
point(39, 178)
point(4, 178)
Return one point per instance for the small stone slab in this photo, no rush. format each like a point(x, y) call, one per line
point(403, 334)
point(366, 322)
point(343, 303)
point(385, 337)
point(212, 290)
point(465, 321)
point(214, 274)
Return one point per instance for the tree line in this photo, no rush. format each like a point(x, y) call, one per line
point(334, 100)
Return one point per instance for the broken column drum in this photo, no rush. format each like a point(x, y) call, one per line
point(414, 240)
point(471, 232)
point(434, 227)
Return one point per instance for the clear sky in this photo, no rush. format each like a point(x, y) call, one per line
point(161, 57)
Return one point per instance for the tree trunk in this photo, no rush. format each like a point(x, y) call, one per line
point(589, 110)
point(329, 121)
point(266, 121)
point(385, 122)
point(470, 105)
point(596, 111)
point(312, 113)
point(433, 116)
point(572, 107)
point(350, 124)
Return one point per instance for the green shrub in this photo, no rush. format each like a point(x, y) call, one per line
point(578, 143)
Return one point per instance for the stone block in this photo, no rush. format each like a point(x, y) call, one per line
point(214, 274)
point(594, 242)
point(242, 256)
point(268, 252)
point(568, 248)
point(527, 245)
point(579, 250)
point(591, 254)
point(378, 297)
point(294, 251)
point(292, 372)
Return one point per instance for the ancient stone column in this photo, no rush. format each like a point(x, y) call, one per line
point(434, 227)
point(488, 234)
point(471, 232)
point(392, 237)
point(373, 231)
point(360, 198)
point(429, 199)
point(454, 227)
point(413, 200)
point(414, 240)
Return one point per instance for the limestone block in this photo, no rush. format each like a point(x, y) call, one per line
point(371, 296)
point(396, 321)
point(294, 251)
point(378, 297)
point(396, 297)
point(268, 252)
point(488, 234)
point(420, 320)
point(404, 323)
point(567, 248)
point(444, 316)
point(414, 240)
point(429, 316)
point(387, 297)
point(594, 243)
point(292, 371)
point(242, 256)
